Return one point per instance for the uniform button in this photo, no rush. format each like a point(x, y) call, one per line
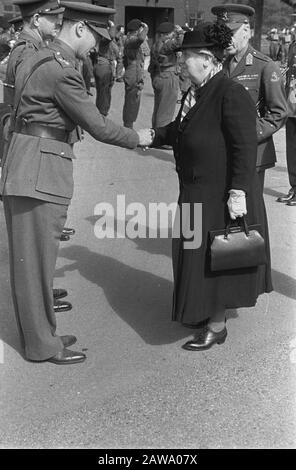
point(247, 87)
point(62, 153)
point(260, 132)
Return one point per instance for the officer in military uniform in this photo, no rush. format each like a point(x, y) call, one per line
point(41, 22)
point(164, 72)
point(133, 61)
point(104, 70)
point(290, 198)
point(260, 76)
point(37, 177)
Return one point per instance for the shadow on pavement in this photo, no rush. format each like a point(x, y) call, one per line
point(273, 193)
point(141, 299)
point(284, 284)
point(280, 168)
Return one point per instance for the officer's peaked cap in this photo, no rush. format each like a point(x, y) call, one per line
point(165, 27)
point(94, 16)
point(15, 20)
point(234, 15)
point(43, 7)
point(134, 24)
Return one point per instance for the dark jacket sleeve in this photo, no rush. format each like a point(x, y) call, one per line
point(71, 96)
point(239, 127)
point(165, 135)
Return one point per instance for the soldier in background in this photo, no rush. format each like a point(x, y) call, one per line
point(290, 198)
point(273, 37)
point(164, 72)
point(104, 70)
point(133, 61)
point(260, 76)
point(120, 40)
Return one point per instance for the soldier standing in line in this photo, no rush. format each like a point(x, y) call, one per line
point(37, 178)
point(41, 22)
point(260, 75)
point(120, 40)
point(273, 44)
point(164, 72)
point(104, 70)
point(290, 198)
point(133, 61)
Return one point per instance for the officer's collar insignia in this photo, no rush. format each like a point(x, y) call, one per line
point(249, 59)
point(61, 59)
point(274, 77)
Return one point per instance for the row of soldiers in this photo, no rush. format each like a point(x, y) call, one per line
point(279, 43)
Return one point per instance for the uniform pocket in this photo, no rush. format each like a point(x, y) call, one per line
point(55, 174)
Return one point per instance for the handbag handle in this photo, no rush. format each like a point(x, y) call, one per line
point(243, 223)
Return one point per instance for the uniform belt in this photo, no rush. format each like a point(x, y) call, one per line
point(170, 68)
point(38, 130)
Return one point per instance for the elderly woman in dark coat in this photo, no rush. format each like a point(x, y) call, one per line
point(215, 145)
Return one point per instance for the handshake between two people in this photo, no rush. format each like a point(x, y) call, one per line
point(146, 137)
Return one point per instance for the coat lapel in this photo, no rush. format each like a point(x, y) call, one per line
point(202, 96)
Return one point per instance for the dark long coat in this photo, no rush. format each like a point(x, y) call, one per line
point(215, 149)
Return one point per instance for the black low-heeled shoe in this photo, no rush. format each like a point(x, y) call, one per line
point(205, 339)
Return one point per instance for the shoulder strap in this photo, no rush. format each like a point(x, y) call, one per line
point(20, 94)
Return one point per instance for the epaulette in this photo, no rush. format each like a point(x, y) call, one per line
point(28, 44)
point(63, 62)
point(259, 55)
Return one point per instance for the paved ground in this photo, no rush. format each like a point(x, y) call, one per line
point(138, 388)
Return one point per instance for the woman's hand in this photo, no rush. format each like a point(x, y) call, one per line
point(236, 203)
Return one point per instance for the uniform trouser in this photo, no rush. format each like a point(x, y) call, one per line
point(166, 88)
point(119, 68)
point(34, 228)
point(291, 150)
point(274, 50)
point(104, 83)
point(134, 82)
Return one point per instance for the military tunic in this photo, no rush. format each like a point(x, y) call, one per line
point(37, 185)
point(261, 77)
point(104, 73)
point(133, 61)
point(165, 81)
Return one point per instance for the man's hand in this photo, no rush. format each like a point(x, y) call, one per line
point(236, 203)
point(146, 137)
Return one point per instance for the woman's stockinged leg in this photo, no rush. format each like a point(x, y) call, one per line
point(218, 320)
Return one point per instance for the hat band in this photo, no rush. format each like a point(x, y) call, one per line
point(94, 24)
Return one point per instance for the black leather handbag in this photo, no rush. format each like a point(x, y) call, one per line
point(236, 247)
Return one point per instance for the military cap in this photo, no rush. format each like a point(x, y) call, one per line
point(234, 15)
point(134, 24)
point(94, 16)
point(165, 27)
point(15, 20)
point(42, 7)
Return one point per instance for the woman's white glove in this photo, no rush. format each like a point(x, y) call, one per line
point(237, 203)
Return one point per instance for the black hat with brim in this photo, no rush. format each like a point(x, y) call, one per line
point(94, 16)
